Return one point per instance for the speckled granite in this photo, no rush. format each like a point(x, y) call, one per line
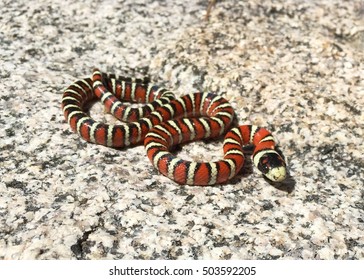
point(295, 67)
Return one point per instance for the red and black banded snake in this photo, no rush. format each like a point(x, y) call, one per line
point(165, 122)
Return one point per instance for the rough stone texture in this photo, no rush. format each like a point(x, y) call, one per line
point(295, 67)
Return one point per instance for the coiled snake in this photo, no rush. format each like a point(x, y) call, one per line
point(165, 122)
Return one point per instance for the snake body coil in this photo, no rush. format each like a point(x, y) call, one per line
point(165, 122)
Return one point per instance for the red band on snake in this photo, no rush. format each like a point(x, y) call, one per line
point(165, 122)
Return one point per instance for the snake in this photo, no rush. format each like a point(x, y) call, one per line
point(164, 121)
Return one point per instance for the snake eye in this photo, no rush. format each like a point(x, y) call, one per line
point(264, 164)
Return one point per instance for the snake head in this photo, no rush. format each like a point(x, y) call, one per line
point(272, 165)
